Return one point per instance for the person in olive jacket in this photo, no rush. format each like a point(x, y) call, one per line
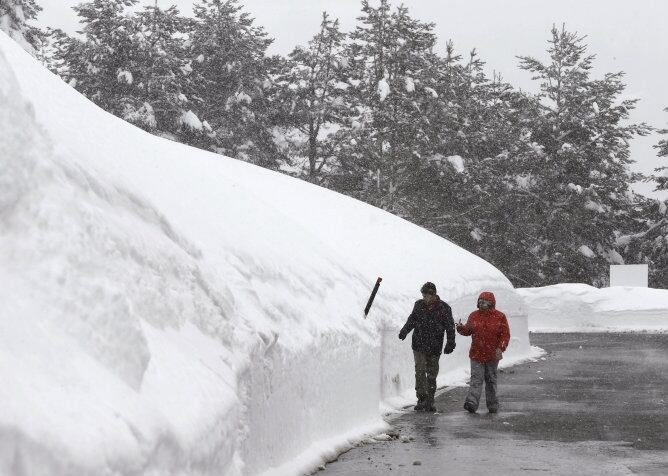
point(430, 320)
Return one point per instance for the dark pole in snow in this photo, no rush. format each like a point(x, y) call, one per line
point(371, 298)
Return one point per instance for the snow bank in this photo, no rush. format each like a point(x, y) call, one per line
point(166, 310)
point(582, 308)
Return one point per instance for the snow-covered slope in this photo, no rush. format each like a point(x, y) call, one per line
point(170, 311)
point(583, 308)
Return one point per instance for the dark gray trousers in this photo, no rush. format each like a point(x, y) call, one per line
point(483, 372)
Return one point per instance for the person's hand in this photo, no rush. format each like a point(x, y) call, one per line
point(449, 347)
point(402, 335)
point(499, 354)
point(459, 326)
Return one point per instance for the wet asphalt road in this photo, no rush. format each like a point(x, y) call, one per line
point(597, 405)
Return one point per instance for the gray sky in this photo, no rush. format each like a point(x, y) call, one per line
point(626, 35)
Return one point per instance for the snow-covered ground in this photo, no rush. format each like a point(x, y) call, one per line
point(166, 310)
point(583, 308)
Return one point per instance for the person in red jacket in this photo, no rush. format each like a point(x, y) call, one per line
point(490, 336)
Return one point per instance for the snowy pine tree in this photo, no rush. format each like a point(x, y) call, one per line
point(648, 240)
point(166, 99)
point(312, 100)
point(15, 16)
point(476, 188)
point(232, 75)
point(388, 145)
point(662, 146)
point(582, 181)
point(100, 64)
point(133, 65)
point(51, 51)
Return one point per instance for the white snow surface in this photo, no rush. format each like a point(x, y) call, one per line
point(583, 308)
point(166, 310)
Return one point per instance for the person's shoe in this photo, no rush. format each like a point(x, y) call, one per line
point(468, 406)
point(493, 410)
point(429, 407)
point(420, 406)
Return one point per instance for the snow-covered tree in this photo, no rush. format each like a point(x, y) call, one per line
point(582, 181)
point(15, 16)
point(647, 241)
point(312, 99)
point(166, 98)
point(232, 75)
point(51, 50)
point(662, 146)
point(477, 185)
point(101, 62)
point(392, 77)
point(134, 65)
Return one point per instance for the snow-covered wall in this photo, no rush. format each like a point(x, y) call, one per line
point(170, 311)
point(583, 308)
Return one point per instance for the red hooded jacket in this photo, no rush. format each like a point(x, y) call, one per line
point(489, 329)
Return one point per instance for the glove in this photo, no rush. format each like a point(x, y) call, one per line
point(402, 335)
point(449, 347)
point(499, 354)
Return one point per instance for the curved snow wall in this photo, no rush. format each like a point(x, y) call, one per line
point(171, 311)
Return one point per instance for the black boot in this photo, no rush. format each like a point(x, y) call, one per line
point(468, 406)
point(420, 405)
point(429, 402)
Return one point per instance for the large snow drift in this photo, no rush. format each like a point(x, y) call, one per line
point(583, 308)
point(170, 311)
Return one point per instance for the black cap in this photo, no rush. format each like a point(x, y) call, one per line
point(428, 288)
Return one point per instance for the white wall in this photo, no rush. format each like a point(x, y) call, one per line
point(635, 275)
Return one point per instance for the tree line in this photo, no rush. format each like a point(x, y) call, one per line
point(539, 184)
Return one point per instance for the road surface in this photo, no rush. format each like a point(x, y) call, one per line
point(597, 405)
